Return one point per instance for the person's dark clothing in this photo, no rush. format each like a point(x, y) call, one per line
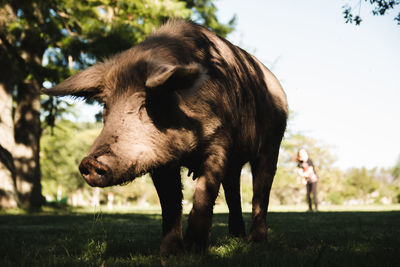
point(312, 188)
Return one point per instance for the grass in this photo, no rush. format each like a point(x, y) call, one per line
point(333, 237)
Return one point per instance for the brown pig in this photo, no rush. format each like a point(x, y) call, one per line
point(186, 97)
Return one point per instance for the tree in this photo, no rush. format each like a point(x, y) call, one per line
point(46, 41)
point(8, 191)
point(396, 170)
point(360, 183)
point(379, 8)
point(20, 56)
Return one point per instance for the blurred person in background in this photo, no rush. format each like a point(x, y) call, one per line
point(308, 175)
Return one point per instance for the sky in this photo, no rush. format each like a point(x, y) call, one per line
point(342, 81)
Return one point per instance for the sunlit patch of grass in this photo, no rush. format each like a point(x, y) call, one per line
point(227, 247)
point(96, 245)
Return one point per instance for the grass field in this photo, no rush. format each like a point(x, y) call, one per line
point(336, 236)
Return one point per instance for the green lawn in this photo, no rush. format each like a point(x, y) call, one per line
point(370, 237)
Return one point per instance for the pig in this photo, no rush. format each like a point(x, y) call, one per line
point(186, 97)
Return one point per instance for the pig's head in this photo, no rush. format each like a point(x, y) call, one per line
point(145, 123)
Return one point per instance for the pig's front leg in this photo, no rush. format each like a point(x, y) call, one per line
point(206, 191)
point(167, 181)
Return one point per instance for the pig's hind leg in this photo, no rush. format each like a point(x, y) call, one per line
point(167, 181)
point(263, 169)
point(231, 185)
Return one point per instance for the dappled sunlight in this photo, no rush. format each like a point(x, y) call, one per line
point(228, 247)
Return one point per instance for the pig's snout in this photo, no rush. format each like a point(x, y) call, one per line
point(94, 172)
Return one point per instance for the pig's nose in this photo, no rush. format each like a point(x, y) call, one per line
point(95, 172)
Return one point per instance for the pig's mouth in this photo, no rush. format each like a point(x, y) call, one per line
point(98, 174)
point(131, 174)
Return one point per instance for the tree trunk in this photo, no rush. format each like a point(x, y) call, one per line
point(8, 191)
point(27, 139)
point(23, 54)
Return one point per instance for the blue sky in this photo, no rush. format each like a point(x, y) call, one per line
point(342, 81)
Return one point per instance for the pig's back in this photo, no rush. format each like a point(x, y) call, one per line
point(245, 95)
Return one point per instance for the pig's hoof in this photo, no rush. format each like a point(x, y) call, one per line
point(197, 246)
point(237, 230)
point(188, 243)
point(259, 235)
point(197, 238)
point(172, 245)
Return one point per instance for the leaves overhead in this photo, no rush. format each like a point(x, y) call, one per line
point(351, 11)
point(47, 41)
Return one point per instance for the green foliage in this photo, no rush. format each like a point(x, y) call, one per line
point(335, 198)
point(47, 41)
point(396, 170)
point(360, 182)
point(205, 14)
point(62, 149)
point(379, 8)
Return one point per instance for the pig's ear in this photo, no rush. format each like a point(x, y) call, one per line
point(86, 83)
point(174, 77)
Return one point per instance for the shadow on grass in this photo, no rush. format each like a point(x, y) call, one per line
point(300, 239)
